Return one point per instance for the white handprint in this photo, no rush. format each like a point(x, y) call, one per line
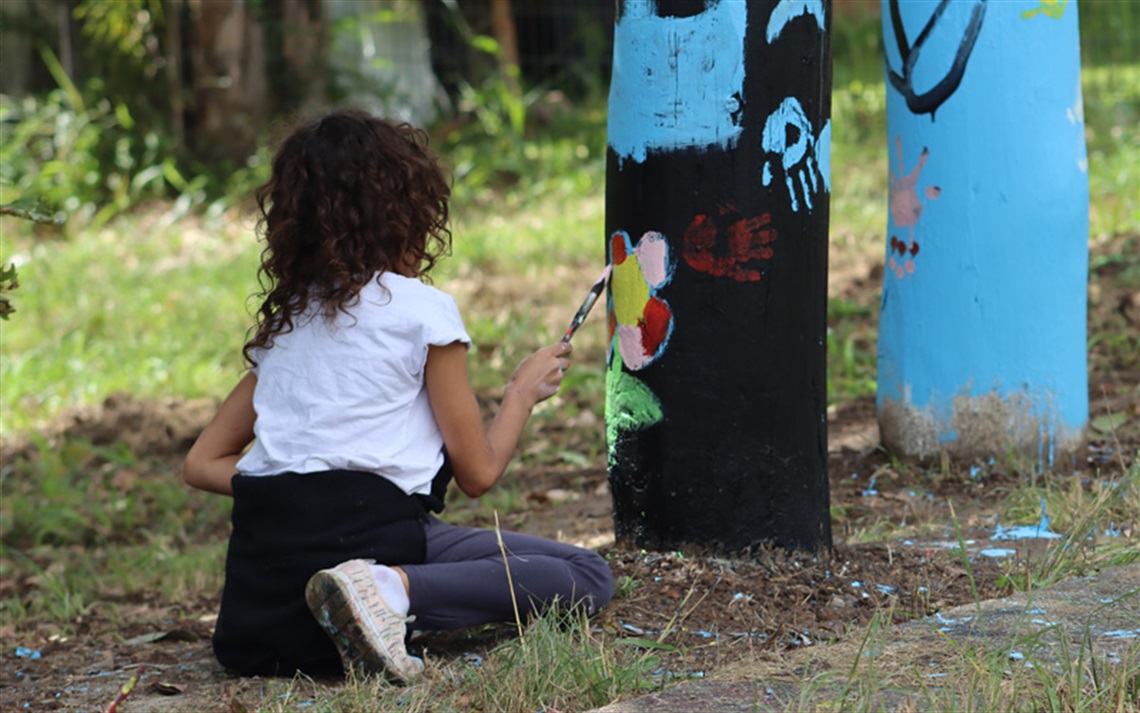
point(804, 157)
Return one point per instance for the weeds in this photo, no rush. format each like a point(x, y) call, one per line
point(559, 663)
point(625, 586)
point(79, 495)
point(1024, 664)
point(1026, 673)
point(1093, 515)
point(82, 524)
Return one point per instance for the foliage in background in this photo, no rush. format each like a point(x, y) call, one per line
point(1112, 121)
point(97, 148)
point(102, 147)
point(28, 209)
point(8, 282)
point(80, 152)
point(541, 143)
point(124, 46)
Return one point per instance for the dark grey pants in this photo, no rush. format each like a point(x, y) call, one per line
point(463, 581)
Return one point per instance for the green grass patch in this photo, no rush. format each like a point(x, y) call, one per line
point(83, 526)
point(559, 663)
point(1094, 516)
point(76, 495)
point(150, 309)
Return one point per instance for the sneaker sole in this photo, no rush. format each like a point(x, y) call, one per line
point(343, 616)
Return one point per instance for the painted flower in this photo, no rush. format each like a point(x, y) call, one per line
point(640, 321)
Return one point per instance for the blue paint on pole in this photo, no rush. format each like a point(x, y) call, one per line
point(677, 82)
point(982, 345)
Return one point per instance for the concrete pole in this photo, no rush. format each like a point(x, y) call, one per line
point(717, 193)
point(982, 347)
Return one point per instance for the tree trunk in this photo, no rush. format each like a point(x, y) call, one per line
point(227, 62)
point(173, 11)
point(66, 49)
point(717, 192)
point(503, 23)
point(302, 50)
point(15, 49)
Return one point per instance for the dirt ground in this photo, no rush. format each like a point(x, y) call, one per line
point(709, 611)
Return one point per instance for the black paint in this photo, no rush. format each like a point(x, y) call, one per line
point(929, 101)
point(740, 458)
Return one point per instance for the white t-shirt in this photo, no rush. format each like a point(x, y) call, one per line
point(350, 394)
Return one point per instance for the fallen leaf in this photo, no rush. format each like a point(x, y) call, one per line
point(1108, 423)
point(166, 688)
point(125, 480)
point(560, 495)
point(172, 635)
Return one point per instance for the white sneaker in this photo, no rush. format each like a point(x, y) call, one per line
point(367, 632)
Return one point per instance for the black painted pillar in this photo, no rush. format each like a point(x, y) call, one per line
point(717, 190)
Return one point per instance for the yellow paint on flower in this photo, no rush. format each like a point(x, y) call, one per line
point(629, 290)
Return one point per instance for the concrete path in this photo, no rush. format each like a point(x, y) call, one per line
point(1052, 627)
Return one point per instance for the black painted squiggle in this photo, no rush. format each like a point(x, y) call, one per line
point(929, 101)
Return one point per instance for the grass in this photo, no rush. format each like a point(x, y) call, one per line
point(998, 667)
point(1090, 516)
point(1048, 669)
point(94, 526)
point(138, 307)
point(560, 663)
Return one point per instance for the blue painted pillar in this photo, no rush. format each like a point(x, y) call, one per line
point(717, 192)
point(982, 347)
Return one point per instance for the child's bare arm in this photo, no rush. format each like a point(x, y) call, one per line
point(212, 460)
point(479, 455)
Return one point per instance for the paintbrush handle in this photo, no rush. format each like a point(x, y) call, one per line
point(591, 298)
point(581, 315)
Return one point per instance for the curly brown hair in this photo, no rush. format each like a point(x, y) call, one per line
point(351, 196)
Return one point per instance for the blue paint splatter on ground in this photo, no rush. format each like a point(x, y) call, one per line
point(1040, 531)
point(870, 489)
point(997, 552)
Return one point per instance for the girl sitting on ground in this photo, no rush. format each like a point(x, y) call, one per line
point(360, 411)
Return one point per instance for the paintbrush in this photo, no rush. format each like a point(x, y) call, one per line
point(584, 310)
